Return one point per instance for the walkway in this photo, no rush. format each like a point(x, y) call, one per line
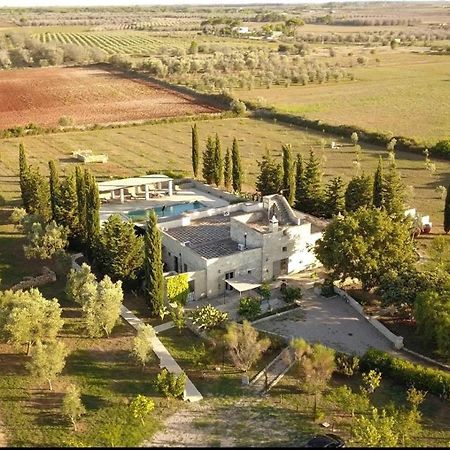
point(270, 375)
point(166, 360)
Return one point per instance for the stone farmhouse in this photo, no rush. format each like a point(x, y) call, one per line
point(225, 245)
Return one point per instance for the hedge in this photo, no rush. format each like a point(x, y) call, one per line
point(441, 149)
point(406, 373)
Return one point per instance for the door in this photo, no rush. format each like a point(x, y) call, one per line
point(284, 266)
point(175, 263)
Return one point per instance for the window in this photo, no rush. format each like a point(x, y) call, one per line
point(170, 254)
point(284, 249)
point(249, 271)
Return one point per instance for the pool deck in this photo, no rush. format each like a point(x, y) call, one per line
point(189, 195)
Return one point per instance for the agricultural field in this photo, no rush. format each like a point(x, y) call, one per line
point(87, 95)
point(134, 150)
point(407, 94)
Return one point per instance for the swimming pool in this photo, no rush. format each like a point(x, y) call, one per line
point(138, 215)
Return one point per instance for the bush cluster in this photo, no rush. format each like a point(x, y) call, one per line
point(249, 307)
point(403, 372)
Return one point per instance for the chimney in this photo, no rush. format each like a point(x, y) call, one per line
point(273, 224)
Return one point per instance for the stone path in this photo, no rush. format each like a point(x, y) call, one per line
point(166, 360)
point(272, 374)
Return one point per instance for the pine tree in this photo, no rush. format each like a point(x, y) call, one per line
point(228, 170)
point(447, 212)
point(24, 172)
point(270, 176)
point(335, 197)
point(313, 190)
point(153, 266)
point(54, 189)
point(394, 192)
point(359, 193)
point(238, 174)
point(195, 150)
point(208, 161)
point(299, 181)
point(119, 251)
point(92, 212)
point(81, 202)
point(378, 185)
point(218, 162)
point(289, 174)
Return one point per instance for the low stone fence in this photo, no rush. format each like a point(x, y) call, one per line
point(397, 341)
point(48, 276)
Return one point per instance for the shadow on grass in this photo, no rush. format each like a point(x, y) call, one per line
point(13, 364)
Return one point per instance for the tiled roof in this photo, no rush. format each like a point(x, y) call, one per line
point(209, 236)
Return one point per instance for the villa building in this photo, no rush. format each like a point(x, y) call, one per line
point(223, 245)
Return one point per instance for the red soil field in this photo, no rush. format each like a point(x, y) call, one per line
point(87, 95)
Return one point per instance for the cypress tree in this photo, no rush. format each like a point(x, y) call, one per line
point(378, 185)
point(208, 161)
point(92, 212)
point(54, 189)
point(335, 197)
point(359, 193)
point(81, 202)
point(394, 192)
point(289, 174)
point(299, 182)
point(228, 170)
point(153, 266)
point(270, 176)
point(195, 150)
point(39, 194)
point(67, 210)
point(238, 174)
point(218, 162)
point(313, 191)
point(447, 212)
point(24, 172)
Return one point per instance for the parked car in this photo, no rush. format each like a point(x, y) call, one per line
point(325, 440)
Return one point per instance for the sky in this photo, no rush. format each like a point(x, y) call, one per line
point(27, 3)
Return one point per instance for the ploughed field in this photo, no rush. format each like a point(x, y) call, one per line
point(87, 95)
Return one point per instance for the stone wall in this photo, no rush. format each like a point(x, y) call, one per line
point(48, 276)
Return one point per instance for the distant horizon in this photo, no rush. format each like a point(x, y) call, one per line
point(113, 3)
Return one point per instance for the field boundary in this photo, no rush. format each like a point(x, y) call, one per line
point(370, 137)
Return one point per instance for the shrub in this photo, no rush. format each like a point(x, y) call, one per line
point(291, 294)
point(327, 289)
point(406, 373)
point(208, 317)
point(170, 384)
point(65, 121)
point(347, 364)
point(2, 200)
point(249, 307)
point(238, 107)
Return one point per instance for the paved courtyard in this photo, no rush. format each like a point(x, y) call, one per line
point(330, 321)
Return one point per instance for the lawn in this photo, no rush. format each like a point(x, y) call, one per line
point(134, 150)
point(406, 93)
point(219, 377)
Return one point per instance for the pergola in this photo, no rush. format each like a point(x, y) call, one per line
point(243, 283)
point(137, 185)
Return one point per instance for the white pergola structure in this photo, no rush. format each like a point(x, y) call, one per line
point(135, 186)
point(243, 283)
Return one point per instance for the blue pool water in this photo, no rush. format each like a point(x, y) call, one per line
point(170, 210)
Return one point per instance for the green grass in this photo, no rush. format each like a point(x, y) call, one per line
point(407, 94)
point(134, 150)
point(102, 368)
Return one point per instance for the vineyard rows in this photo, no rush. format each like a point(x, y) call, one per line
point(110, 43)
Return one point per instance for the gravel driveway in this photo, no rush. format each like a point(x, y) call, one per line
point(330, 321)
